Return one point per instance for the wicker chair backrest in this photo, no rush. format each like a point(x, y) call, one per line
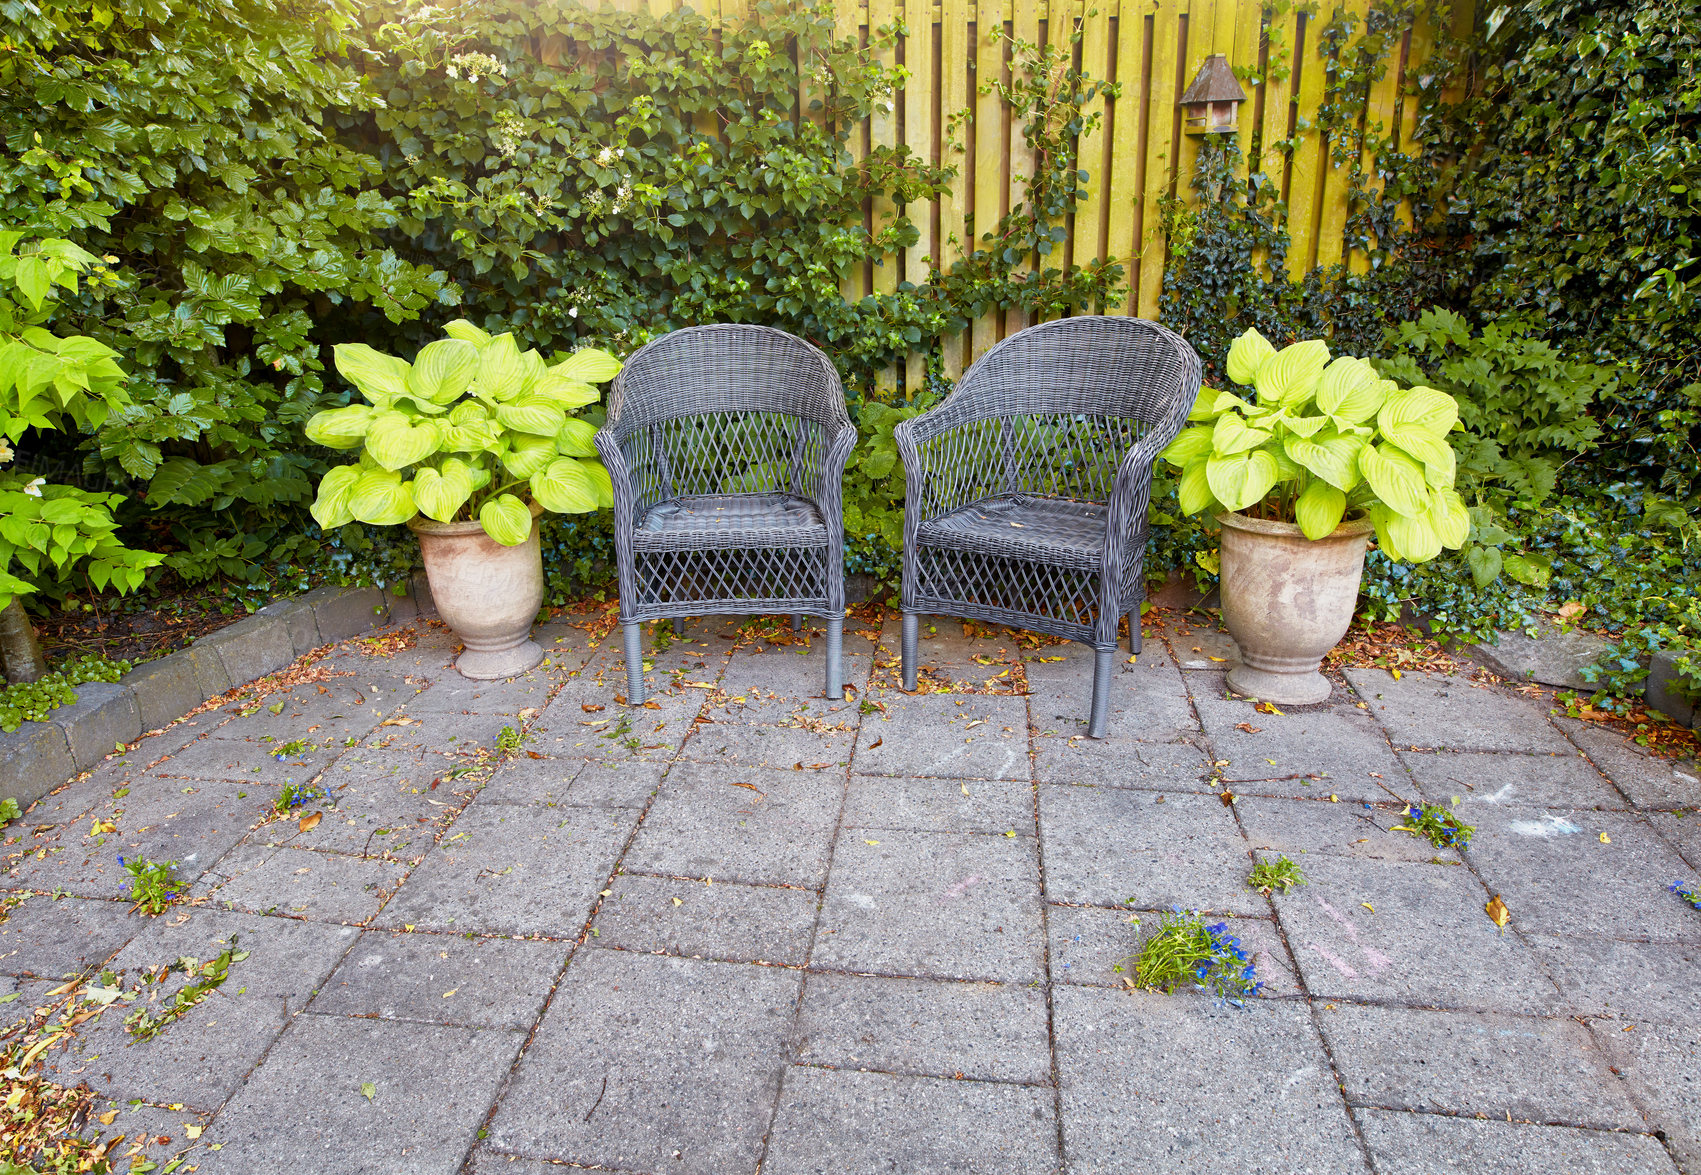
point(701, 370)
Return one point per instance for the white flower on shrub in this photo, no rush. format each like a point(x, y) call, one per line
point(33, 489)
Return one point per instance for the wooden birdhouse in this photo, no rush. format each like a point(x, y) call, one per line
point(1211, 103)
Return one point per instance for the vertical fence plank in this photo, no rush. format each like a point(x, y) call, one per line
point(1337, 174)
point(1303, 188)
point(921, 137)
point(1248, 26)
point(1160, 150)
point(883, 132)
point(1283, 36)
point(954, 60)
point(1089, 236)
point(1125, 156)
point(1381, 112)
point(1200, 44)
point(992, 145)
point(1024, 26)
point(849, 26)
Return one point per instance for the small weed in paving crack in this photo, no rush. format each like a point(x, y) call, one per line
point(204, 979)
point(510, 740)
point(9, 811)
point(294, 795)
point(1687, 894)
point(294, 746)
point(1272, 876)
point(1443, 829)
point(153, 885)
point(1184, 949)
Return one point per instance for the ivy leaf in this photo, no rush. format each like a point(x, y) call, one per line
point(1484, 563)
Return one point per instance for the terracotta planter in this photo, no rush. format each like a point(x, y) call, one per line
point(489, 594)
point(1287, 601)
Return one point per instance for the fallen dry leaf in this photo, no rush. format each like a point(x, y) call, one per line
point(397, 722)
point(1498, 912)
point(588, 708)
point(1249, 728)
point(309, 822)
point(1227, 797)
point(877, 742)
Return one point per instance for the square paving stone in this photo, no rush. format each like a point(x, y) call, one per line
point(1568, 781)
point(1327, 750)
point(1111, 847)
point(955, 736)
point(926, 1028)
point(53, 939)
point(1432, 710)
point(1557, 876)
point(1545, 1071)
point(1661, 1064)
point(726, 921)
point(941, 904)
point(1121, 762)
point(444, 979)
point(1650, 782)
point(512, 870)
point(940, 805)
point(326, 887)
point(287, 959)
point(1627, 980)
point(646, 1063)
point(303, 1111)
point(870, 1124)
point(1089, 944)
point(741, 824)
point(198, 1060)
point(1144, 1088)
point(378, 803)
point(248, 762)
point(1148, 699)
point(190, 822)
point(1682, 831)
point(142, 1133)
point(774, 747)
point(1343, 829)
point(584, 721)
point(1411, 933)
point(1428, 1144)
point(553, 782)
point(779, 693)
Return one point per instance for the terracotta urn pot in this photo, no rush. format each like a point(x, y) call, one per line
point(489, 594)
point(1287, 600)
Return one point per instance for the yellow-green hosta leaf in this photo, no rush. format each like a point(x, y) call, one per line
point(470, 438)
point(501, 370)
point(468, 412)
point(535, 369)
point(1246, 355)
point(1397, 480)
point(396, 440)
point(1204, 405)
point(577, 438)
point(565, 486)
point(1287, 469)
point(1194, 490)
point(379, 498)
point(1350, 391)
point(1290, 375)
point(569, 393)
point(1418, 420)
point(1190, 445)
point(1449, 518)
point(1444, 469)
point(330, 507)
point(340, 428)
point(1240, 480)
point(1319, 510)
point(589, 366)
point(1379, 516)
point(1334, 458)
point(1231, 435)
point(378, 377)
point(1415, 537)
point(604, 485)
point(506, 519)
point(1305, 426)
point(443, 370)
point(467, 332)
point(527, 454)
point(440, 495)
point(534, 414)
point(477, 475)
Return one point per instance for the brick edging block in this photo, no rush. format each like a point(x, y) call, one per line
point(40, 756)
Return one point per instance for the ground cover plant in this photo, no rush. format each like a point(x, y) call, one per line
point(1185, 950)
point(1278, 876)
point(1437, 825)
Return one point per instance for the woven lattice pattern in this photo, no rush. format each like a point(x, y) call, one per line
point(1028, 485)
point(727, 447)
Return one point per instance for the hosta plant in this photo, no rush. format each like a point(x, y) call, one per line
point(473, 428)
point(1318, 440)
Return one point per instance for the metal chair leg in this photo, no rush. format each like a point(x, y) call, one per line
point(835, 661)
point(1100, 718)
point(912, 633)
point(634, 664)
point(1134, 635)
point(797, 622)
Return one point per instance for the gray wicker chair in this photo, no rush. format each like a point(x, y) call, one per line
point(1028, 485)
point(727, 446)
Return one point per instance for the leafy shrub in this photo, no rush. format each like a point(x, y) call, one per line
point(1305, 450)
point(470, 407)
point(32, 701)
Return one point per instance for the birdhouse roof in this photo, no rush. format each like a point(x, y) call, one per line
point(1215, 83)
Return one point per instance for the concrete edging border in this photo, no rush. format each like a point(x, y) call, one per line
point(39, 756)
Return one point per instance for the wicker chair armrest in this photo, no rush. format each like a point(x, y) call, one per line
point(1131, 492)
point(910, 435)
point(613, 454)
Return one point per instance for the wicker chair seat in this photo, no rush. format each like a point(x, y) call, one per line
point(1021, 526)
point(720, 521)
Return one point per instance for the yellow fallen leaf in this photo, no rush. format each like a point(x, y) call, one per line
point(450, 992)
point(106, 1118)
point(1498, 912)
point(870, 842)
point(1368, 906)
point(1219, 658)
point(965, 789)
point(397, 722)
point(100, 826)
point(1012, 832)
point(310, 821)
point(1605, 839)
point(192, 1132)
point(1334, 799)
point(1396, 674)
point(605, 893)
point(678, 901)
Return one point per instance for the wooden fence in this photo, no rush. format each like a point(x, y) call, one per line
point(1138, 155)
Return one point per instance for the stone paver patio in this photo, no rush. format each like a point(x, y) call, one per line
point(746, 929)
